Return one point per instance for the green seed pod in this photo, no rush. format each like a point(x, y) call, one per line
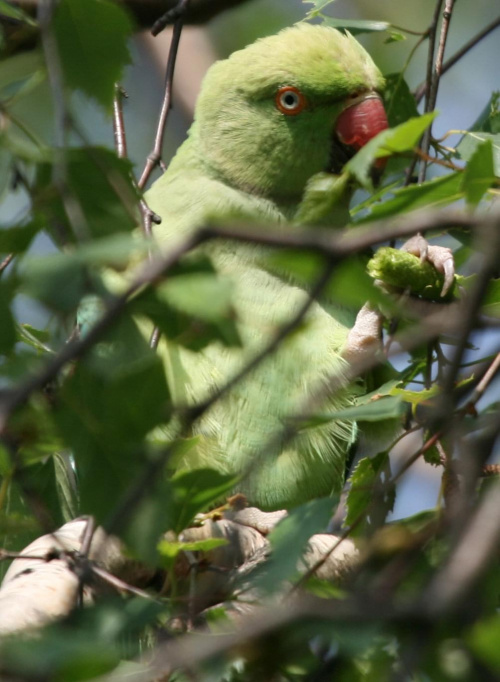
point(403, 270)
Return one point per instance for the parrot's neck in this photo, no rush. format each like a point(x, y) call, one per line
point(329, 207)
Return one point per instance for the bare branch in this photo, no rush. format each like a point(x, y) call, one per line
point(118, 123)
point(422, 89)
point(154, 157)
point(435, 75)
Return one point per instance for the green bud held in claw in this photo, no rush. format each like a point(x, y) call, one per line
point(403, 270)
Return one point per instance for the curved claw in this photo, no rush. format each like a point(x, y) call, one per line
point(441, 257)
point(449, 275)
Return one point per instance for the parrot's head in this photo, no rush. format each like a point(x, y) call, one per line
point(287, 107)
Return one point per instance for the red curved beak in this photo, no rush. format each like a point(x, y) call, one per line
point(362, 119)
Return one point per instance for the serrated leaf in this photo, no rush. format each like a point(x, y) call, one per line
point(399, 102)
point(319, 5)
point(431, 194)
point(92, 41)
point(472, 140)
point(432, 456)
point(479, 173)
point(488, 120)
point(372, 493)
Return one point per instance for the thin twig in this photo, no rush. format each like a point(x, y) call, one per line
point(483, 384)
point(491, 254)
point(431, 33)
point(118, 123)
point(154, 158)
point(431, 93)
point(6, 261)
point(121, 585)
point(147, 215)
point(422, 89)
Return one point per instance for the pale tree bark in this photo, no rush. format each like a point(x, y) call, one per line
point(51, 576)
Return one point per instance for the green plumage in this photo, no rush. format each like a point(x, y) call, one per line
point(245, 159)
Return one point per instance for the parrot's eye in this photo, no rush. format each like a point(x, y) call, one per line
point(290, 101)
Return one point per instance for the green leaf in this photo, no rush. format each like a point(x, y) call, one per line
point(101, 185)
point(380, 408)
point(431, 194)
point(17, 239)
point(290, 537)
point(36, 338)
point(488, 120)
point(20, 73)
point(470, 142)
point(372, 493)
point(479, 173)
point(66, 486)
point(192, 492)
point(356, 26)
point(91, 37)
point(399, 101)
point(402, 138)
point(169, 550)
point(57, 280)
point(394, 37)
point(103, 425)
point(483, 640)
point(319, 5)
point(192, 306)
point(7, 10)
point(8, 336)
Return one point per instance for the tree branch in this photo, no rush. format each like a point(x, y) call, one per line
point(146, 12)
point(422, 89)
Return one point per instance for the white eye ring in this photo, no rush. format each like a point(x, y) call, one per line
point(290, 101)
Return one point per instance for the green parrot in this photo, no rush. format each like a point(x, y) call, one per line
point(270, 122)
point(274, 126)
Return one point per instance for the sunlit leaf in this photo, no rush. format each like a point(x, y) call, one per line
point(393, 141)
point(356, 26)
